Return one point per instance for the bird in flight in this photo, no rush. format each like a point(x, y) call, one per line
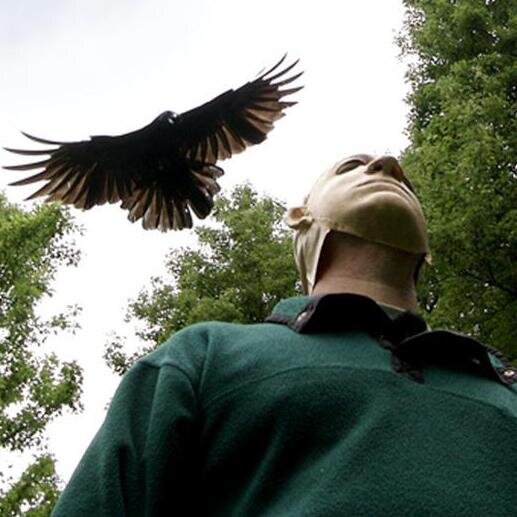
point(163, 170)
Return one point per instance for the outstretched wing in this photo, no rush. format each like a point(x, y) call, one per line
point(238, 118)
point(91, 172)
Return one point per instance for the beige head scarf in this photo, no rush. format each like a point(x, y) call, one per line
point(362, 196)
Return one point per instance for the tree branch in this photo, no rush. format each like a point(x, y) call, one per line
point(492, 281)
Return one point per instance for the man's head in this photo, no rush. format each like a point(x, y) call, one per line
point(369, 198)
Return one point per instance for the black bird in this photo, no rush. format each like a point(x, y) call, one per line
point(161, 171)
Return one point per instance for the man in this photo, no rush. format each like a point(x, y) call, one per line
point(342, 403)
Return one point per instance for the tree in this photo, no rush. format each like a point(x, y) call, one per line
point(34, 387)
point(242, 267)
point(462, 158)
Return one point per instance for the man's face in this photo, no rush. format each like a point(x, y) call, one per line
point(370, 198)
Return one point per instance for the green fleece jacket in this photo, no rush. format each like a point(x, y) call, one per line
point(269, 420)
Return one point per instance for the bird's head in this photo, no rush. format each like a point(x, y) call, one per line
point(168, 116)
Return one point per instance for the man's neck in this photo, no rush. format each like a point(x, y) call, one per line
point(382, 293)
point(350, 264)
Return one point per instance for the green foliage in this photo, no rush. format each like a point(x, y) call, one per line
point(35, 493)
point(34, 387)
point(462, 159)
point(241, 269)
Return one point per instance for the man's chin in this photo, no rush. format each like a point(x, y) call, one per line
point(390, 221)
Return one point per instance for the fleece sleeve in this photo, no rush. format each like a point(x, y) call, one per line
point(143, 459)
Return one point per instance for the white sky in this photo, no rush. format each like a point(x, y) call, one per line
point(75, 68)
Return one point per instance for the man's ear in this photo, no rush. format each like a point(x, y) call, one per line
point(298, 218)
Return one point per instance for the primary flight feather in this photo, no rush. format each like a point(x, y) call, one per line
point(168, 167)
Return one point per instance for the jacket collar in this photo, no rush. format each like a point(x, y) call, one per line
point(345, 311)
point(406, 335)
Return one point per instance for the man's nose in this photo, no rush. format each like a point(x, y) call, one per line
point(388, 164)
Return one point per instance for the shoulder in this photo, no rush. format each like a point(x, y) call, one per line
point(219, 356)
point(212, 342)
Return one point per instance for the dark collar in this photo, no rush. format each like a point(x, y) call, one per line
point(411, 345)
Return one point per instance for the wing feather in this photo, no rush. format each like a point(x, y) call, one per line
point(74, 190)
point(225, 143)
point(53, 185)
point(26, 152)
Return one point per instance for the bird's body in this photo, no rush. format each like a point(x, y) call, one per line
point(163, 170)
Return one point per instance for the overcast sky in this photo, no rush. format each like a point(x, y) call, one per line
point(75, 68)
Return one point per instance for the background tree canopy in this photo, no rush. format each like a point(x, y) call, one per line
point(242, 268)
point(462, 159)
point(34, 387)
